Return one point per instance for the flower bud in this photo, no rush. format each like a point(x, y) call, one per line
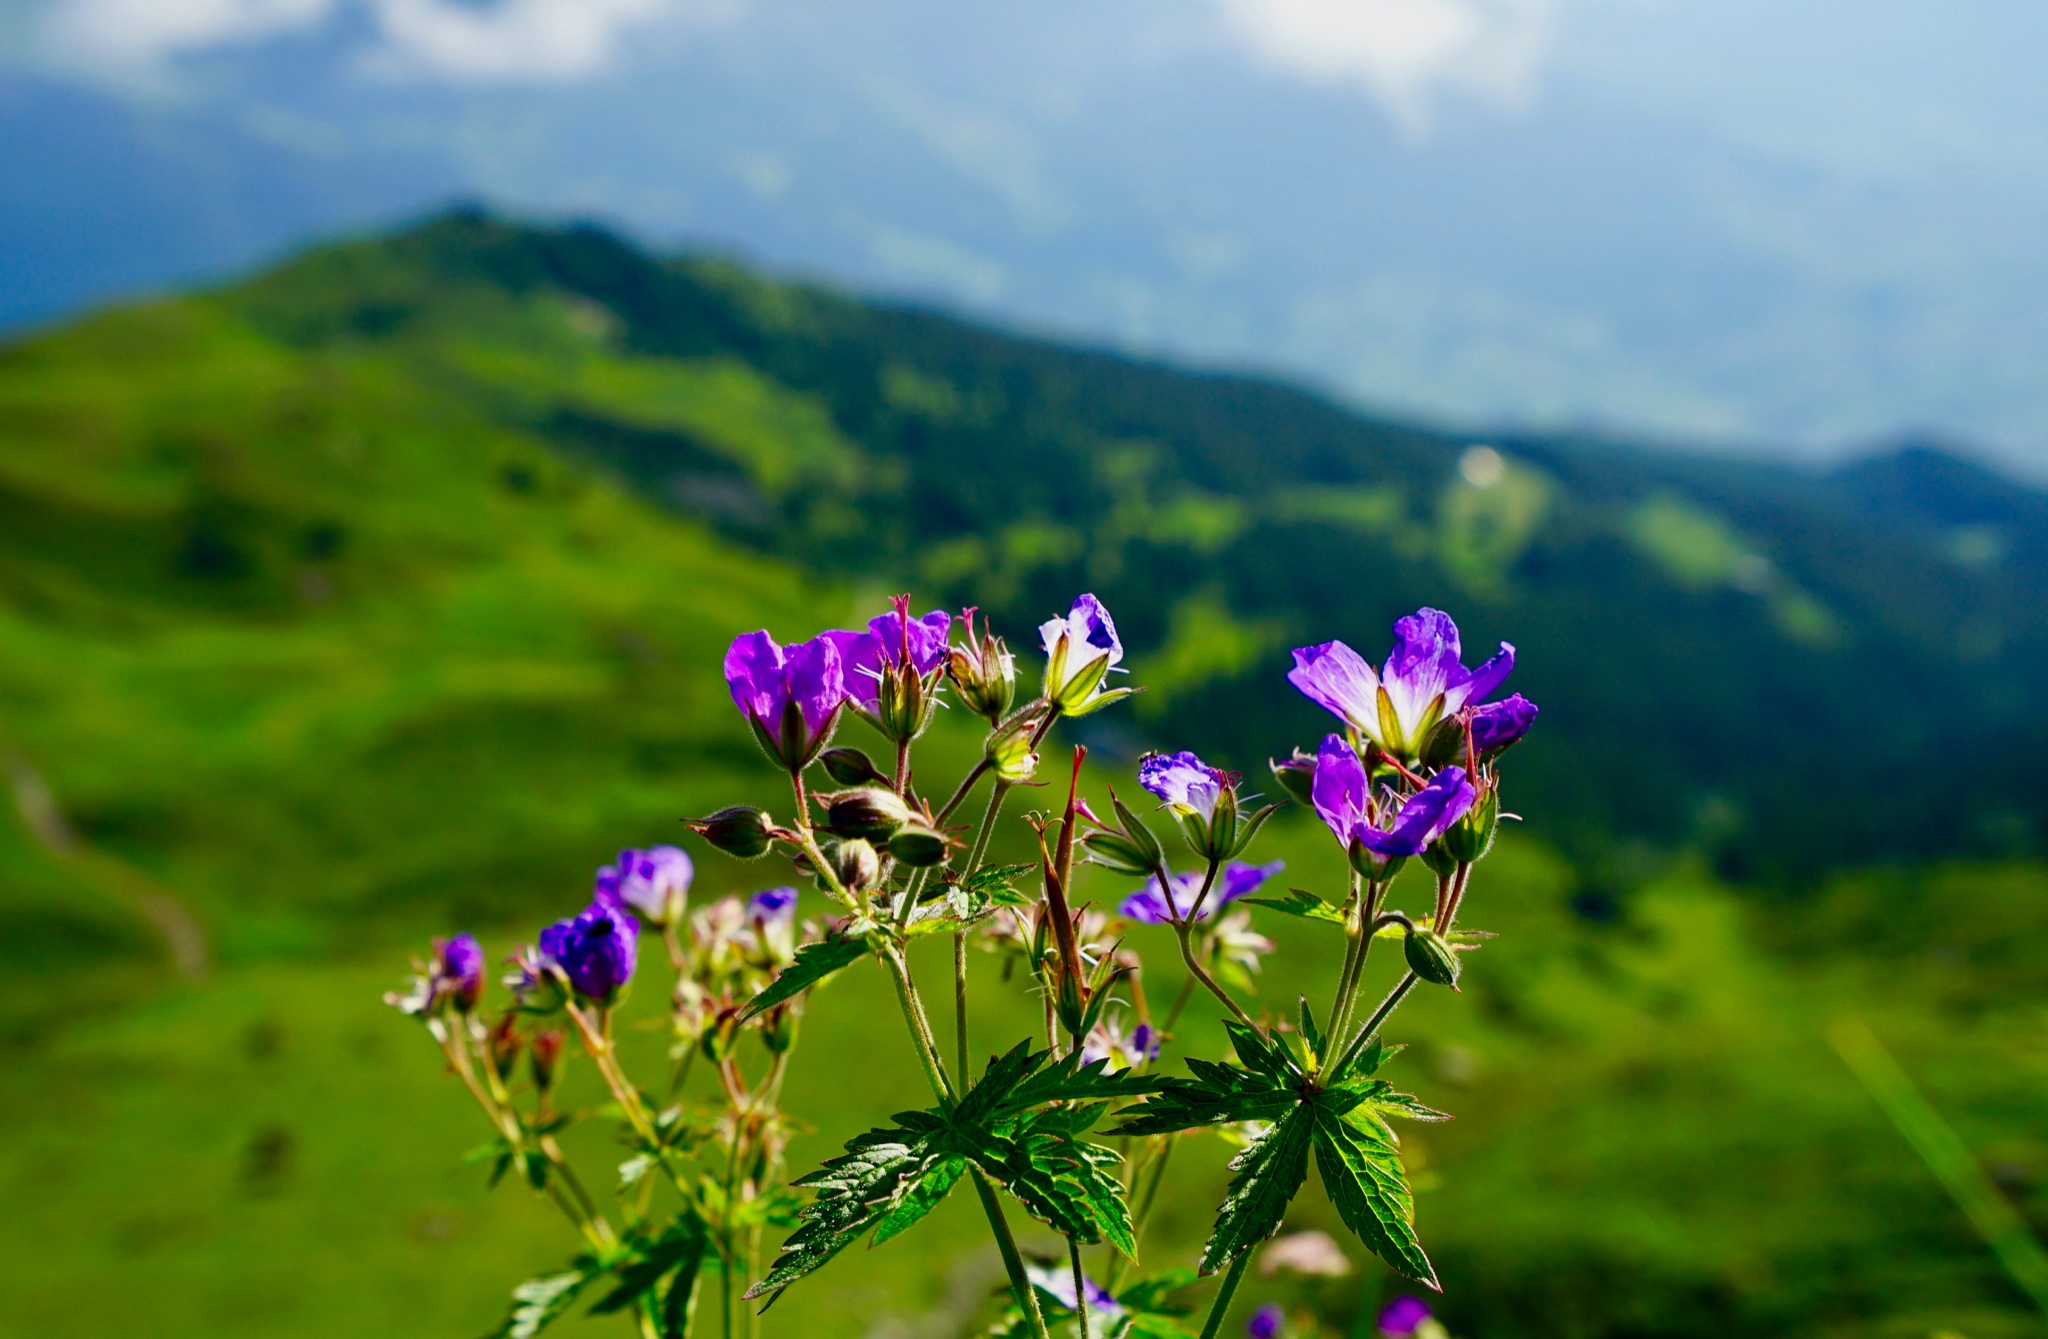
point(1441, 862)
point(856, 864)
point(1372, 865)
point(1431, 957)
point(984, 674)
point(917, 845)
point(504, 1043)
point(850, 767)
point(871, 813)
point(1296, 776)
point(719, 1037)
point(1471, 837)
point(739, 831)
point(544, 1057)
point(778, 1029)
point(1009, 752)
point(904, 701)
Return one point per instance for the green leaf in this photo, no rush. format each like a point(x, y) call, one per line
point(998, 883)
point(1075, 1080)
point(931, 1188)
point(814, 962)
point(1365, 1180)
point(1268, 1174)
point(854, 1191)
point(1062, 1181)
point(1310, 1033)
point(539, 1301)
point(680, 1247)
point(1261, 1056)
point(1150, 1296)
point(1300, 902)
point(1218, 1095)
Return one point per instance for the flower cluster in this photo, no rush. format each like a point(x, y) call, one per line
point(1413, 774)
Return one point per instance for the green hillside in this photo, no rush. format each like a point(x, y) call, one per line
point(384, 593)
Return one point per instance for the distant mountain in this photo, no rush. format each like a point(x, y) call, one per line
point(1793, 671)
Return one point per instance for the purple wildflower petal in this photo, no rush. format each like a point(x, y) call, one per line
point(1499, 724)
point(1089, 631)
point(1484, 680)
point(1339, 788)
point(816, 681)
point(753, 671)
point(460, 970)
point(1424, 817)
point(1240, 880)
point(654, 882)
point(928, 638)
point(860, 664)
point(1403, 1315)
point(1182, 780)
point(596, 949)
point(1266, 1322)
point(1336, 678)
point(771, 905)
point(1424, 666)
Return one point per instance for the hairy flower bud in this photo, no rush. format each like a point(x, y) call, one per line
point(917, 845)
point(850, 767)
point(1431, 957)
point(984, 673)
point(871, 813)
point(1296, 776)
point(544, 1058)
point(856, 864)
point(739, 831)
point(1009, 754)
point(778, 1029)
point(1471, 837)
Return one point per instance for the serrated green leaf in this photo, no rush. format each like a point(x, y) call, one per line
point(854, 1191)
point(1218, 1095)
point(1406, 1106)
point(998, 1081)
point(998, 883)
point(1261, 1056)
point(1363, 1174)
point(1062, 1181)
point(1267, 1176)
point(1310, 1033)
point(814, 962)
point(634, 1168)
point(1149, 1296)
point(1300, 902)
point(1076, 1080)
point(538, 1302)
point(922, 1198)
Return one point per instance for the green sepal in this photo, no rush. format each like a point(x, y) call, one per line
point(1251, 828)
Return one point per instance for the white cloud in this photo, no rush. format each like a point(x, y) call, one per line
point(513, 40)
point(502, 41)
point(1402, 51)
point(140, 33)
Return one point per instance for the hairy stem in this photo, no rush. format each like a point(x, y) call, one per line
point(1222, 1303)
point(1372, 1025)
point(920, 1028)
point(960, 792)
point(1187, 955)
point(1013, 1263)
point(960, 1007)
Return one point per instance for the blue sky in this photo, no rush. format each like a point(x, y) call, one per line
point(1792, 228)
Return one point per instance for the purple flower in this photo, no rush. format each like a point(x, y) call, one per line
point(771, 906)
point(1266, 1322)
point(1393, 828)
point(1124, 1050)
point(595, 949)
point(1499, 724)
point(1058, 1282)
point(1080, 650)
point(1423, 681)
point(1150, 904)
point(459, 971)
point(863, 655)
point(1183, 782)
point(1403, 1316)
point(790, 695)
point(654, 882)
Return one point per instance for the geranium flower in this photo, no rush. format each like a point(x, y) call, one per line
point(790, 695)
point(1423, 681)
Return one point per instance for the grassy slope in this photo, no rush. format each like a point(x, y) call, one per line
point(333, 640)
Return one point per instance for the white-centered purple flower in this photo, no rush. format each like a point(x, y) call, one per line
point(790, 695)
point(1162, 906)
point(654, 882)
point(459, 971)
point(771, 914)
point(1080, 651)
point(1389, 828)
point(1183, 782)
point(596, 949)
point(1123, 1050)
point(892, 640)
point(1423, 681)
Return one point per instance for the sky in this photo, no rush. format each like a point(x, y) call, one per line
point(1799, 229)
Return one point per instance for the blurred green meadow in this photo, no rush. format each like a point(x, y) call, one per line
point(370, 601)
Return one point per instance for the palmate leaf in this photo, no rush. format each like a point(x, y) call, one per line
point(1062, 1180)
point(1268, 1173)
point(1364, 1178)
point(680, 1248)
point(814, 962)
point(855, 1191)
point(998, 883)
point(930, 1187)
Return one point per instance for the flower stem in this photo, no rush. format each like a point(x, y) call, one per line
point(960, 1006)
point(1372, 1025)
point(920, 1027)
point(1013, 1263)
point(1222, 1303)
point(1080, 1286)
point(1187, 955)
